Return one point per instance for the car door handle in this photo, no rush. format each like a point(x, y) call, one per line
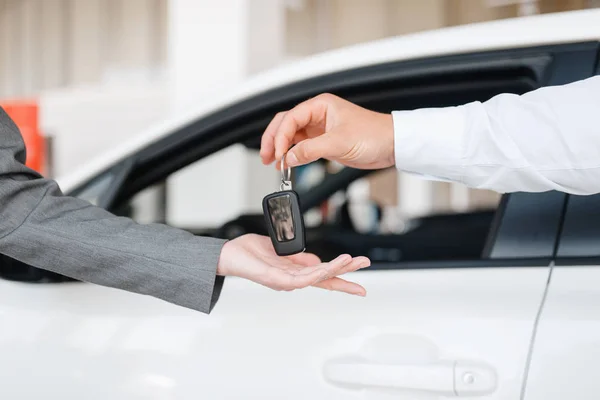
point(449, 378)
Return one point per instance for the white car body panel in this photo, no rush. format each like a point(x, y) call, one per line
point(567, 346)
point(98, 343)
point(511, 33)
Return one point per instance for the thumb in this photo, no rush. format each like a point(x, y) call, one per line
point(310, 150)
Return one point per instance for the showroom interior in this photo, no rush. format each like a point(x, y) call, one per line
point(149, 113)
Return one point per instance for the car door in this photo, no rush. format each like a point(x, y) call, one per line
point(427, 329)
point(566, 350)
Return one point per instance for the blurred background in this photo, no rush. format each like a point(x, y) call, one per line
point(86, 75)
point(82, 78)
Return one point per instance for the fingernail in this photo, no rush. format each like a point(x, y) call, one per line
point(359, 293)
point(291, 159)
point(364, 265)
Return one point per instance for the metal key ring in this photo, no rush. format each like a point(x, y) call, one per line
point(285, 177)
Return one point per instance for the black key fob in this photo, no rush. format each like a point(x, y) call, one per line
point(284, 220)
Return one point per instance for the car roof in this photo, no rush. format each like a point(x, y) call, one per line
point(546, 29)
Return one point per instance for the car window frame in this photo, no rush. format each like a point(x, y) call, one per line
point(548, 65)
point(223, 127)
point(552, 65)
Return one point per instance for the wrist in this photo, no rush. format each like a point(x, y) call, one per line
point(223, 265)
point(386, 140)
point(391, 140)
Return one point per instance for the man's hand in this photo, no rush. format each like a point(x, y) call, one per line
point(329, 127)
point(253, 257)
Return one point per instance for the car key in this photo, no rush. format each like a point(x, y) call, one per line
point(284, 220)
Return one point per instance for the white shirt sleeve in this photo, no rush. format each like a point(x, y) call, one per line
point(547, 139)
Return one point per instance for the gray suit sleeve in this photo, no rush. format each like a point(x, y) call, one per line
point(45, 229)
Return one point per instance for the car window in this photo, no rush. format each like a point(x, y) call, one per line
point(175, 202)
point(376, 215)
point(580, 233)
point(391, 191)
point(388, 216)
point(394, 217)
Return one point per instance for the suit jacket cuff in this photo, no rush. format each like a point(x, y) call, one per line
point(208, 252)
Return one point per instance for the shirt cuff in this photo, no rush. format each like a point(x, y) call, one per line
point(430, 142)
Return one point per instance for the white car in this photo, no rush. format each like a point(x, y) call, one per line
point(501, 304)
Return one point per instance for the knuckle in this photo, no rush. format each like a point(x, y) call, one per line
point(303, 152)
point(326, 97)
point(285, 127)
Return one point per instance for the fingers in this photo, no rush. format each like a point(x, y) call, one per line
point(283, 279)
point(310, 112)
point(356, 264)
point(267, 142)
point(342, 285)
point(311, 150)
point(305, 259)
point(281, 131)
point(310, 276)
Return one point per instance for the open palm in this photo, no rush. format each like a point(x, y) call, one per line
point(253, 257)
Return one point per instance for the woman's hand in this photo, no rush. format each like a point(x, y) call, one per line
point(253, 257)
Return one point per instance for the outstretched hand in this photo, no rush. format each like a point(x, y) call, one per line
point(253, 257)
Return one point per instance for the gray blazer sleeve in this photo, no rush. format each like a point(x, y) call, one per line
point(45, 229)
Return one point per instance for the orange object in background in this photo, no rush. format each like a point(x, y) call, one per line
point(26, 115)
